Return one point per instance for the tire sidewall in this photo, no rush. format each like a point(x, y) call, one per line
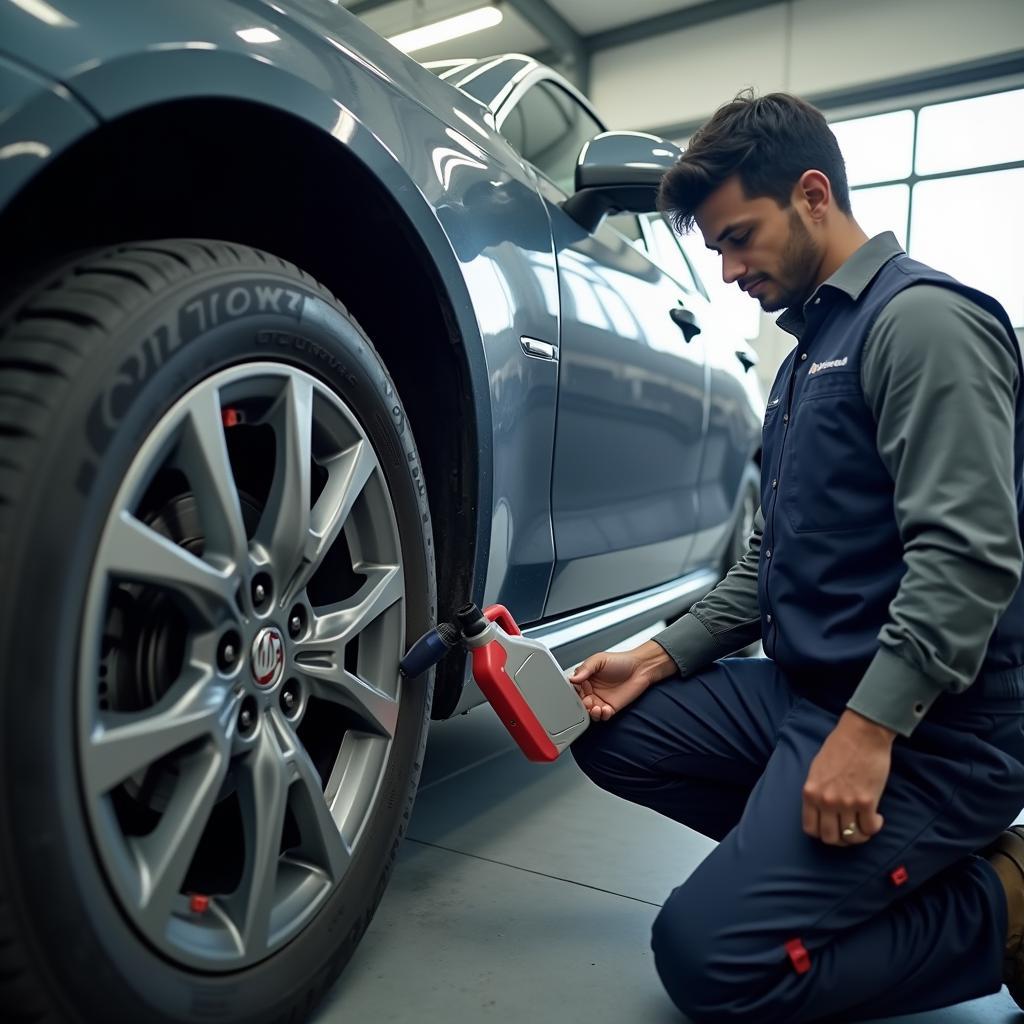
point(102, 965)
point(750, 485)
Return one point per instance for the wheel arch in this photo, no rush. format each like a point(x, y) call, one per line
point(272, 178)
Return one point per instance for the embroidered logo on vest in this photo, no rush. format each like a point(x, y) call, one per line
point(829, 364)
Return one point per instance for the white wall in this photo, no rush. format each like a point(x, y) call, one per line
point(836, 43)
point(801, 46)
point(685, 75)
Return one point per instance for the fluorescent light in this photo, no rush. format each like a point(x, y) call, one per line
point(258, 35)
point(450, 28)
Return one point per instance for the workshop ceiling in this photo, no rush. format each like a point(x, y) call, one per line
point(562, 32)
point(588, 17)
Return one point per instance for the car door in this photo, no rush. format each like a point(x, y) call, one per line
point(632, 391)
point(736, 407)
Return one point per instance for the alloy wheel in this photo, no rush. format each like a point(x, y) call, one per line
point(238, 688)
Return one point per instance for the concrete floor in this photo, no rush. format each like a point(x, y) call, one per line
point(525, 895)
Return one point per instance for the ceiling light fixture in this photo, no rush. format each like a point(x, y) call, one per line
point(445, 31)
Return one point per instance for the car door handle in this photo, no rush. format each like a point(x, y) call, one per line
point(748, 359)
point(685, 321)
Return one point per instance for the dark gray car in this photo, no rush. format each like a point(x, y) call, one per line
point(302, 347)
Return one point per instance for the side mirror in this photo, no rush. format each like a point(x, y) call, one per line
point(619, 172)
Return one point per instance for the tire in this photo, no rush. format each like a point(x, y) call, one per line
point(746, 508)
point(108, 369)
point(747, 505)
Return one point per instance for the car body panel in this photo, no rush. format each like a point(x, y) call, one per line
point(464, 190)
point(18, 85)
point(633, 398)
point(733, 440)
point(631, 420)
point(505, 254)
point(38, 119)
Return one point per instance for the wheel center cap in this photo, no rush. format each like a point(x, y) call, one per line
point(267, 656)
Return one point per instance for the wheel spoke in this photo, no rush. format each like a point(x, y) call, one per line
point(377, 711)
point(123, 744)
point(321, 658)
point(348, 474)
point(339, 623)
point(284, 525)
point(321, 840)
point(263, 793)
point(139, 554)
point(203, 456)
point(165, 854)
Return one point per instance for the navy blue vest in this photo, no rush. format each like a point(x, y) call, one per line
point(831, 556)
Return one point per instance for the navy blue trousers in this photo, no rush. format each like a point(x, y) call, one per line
point(909, 921)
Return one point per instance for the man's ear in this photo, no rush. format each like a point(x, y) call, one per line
point(814, 192)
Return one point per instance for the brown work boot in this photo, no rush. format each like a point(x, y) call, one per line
point(1006, 855)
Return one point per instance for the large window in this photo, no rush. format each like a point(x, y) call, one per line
point(948, 180)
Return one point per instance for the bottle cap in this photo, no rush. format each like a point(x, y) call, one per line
point(472, 620)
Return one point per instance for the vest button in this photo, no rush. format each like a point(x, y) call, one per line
point(769, 617)
point(775, 483)
point(803, 356)
point(768, 553)
point(785, 417)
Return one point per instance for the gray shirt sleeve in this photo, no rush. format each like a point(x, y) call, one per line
point(941, 379)
point(725, 621)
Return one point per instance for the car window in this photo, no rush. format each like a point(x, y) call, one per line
point(628, 224)
point(549, 128)
point(667, 253)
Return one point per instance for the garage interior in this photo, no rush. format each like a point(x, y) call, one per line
point(522, 892)
point(872, 67)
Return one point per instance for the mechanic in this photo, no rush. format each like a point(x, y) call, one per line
point(852, 776)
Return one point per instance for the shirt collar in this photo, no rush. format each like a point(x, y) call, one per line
point(852, 278)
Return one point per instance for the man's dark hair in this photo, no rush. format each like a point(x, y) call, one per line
point(769, 141)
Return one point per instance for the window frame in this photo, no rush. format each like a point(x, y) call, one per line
point(651, 251)
point(523, 86)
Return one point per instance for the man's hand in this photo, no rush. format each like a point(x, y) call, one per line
point(608, 682)
point(846, 781)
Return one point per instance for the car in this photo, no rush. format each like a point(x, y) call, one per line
point(303, 347)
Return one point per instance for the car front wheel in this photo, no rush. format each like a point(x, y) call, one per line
point(215, 544)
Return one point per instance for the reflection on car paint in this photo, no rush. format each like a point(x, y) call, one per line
point(509, 263)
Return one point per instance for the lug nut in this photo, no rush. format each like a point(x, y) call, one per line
point(261, 590)
point(247, 717)
point(297, 622)
point(290, 697)
point(227, 651)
